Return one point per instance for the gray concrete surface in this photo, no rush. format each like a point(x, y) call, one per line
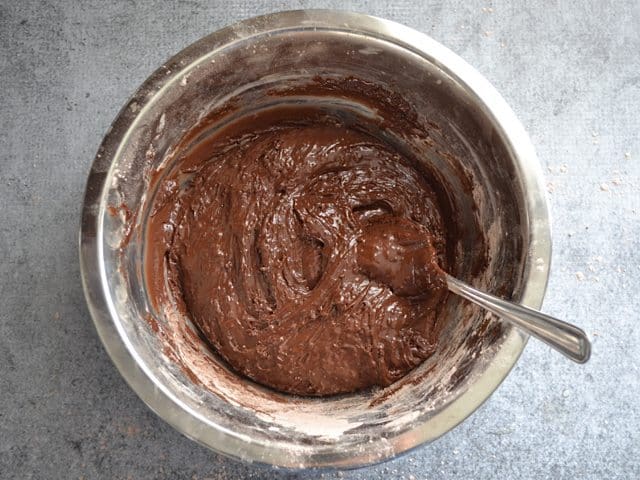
point(570, 70)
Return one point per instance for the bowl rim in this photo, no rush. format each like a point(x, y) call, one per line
point(222, 440)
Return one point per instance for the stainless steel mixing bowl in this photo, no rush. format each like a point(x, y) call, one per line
point(187, 385)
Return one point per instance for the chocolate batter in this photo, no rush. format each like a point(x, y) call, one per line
point(269, 236)
point(399, 253)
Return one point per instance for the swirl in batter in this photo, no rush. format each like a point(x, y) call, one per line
point(255, 237)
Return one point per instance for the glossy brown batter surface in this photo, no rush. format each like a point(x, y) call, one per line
point(264, 236)
point(399, 253)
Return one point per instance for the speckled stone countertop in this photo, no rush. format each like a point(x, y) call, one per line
point(570, 70)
